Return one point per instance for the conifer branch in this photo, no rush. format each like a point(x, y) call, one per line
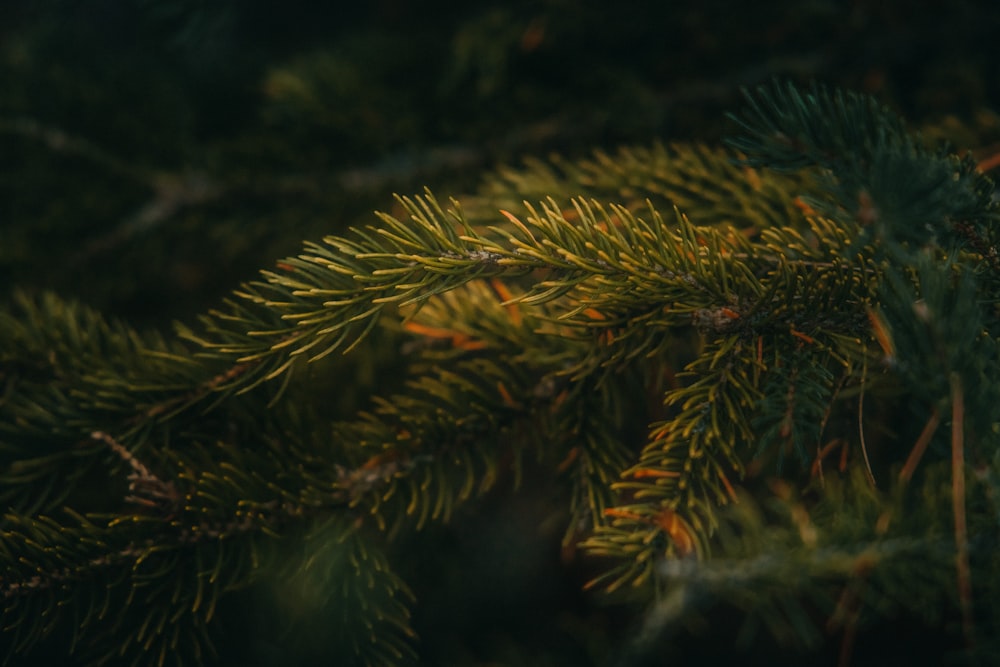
point(797, 309)
point(147, 488)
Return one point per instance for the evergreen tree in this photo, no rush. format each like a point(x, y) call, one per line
point(762, 381)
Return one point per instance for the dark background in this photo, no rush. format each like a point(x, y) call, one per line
point(153, 154)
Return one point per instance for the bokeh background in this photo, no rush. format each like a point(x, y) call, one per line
point(155, 152)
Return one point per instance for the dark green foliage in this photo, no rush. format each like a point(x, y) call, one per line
point(344, 579)
point(898, 189)
point(709, 365)
point(793, 406)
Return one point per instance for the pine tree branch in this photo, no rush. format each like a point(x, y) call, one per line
point(791, 303)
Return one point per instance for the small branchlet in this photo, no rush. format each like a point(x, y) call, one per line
point(146, 489)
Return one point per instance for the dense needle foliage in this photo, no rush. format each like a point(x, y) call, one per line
point(760, 378)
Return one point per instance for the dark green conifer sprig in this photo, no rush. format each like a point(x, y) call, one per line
point(66, 372)
point(883, 175)
point(785, 127)
point(783, 559)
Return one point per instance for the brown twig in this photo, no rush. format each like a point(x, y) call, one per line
point(920, 447)
point(988, 159)
point(848, 611)
point(958, 501)
point(861, 425)
point(146, 488)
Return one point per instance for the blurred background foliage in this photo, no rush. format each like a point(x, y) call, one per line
point(154, 153)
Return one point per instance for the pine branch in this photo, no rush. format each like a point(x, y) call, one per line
point(792, 568)
point(801, 310)
point(882, 176)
